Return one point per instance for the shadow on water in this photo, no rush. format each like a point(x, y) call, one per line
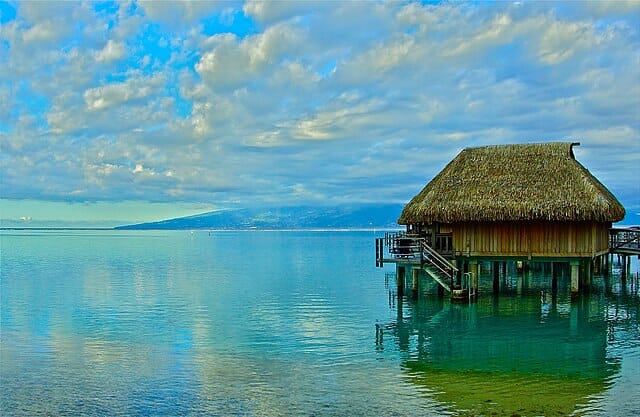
point(524, 352)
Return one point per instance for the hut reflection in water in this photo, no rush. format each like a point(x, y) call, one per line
point(526, 352)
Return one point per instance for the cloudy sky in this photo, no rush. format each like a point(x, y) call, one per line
point(133, 111)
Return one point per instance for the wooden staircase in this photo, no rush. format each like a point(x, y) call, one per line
point(438, 276)
point(437, 267)
point(415, 250)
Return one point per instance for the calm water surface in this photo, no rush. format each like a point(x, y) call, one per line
point(294, 324)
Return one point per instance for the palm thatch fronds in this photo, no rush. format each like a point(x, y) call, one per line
point(524, 182)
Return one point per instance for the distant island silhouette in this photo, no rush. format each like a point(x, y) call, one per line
point(357, 216)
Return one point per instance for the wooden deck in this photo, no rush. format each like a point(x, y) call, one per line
point(414, 254)
point(407, 249)
point(624, 240)
point(414, 250)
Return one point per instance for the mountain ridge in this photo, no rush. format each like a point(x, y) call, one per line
point(353, 216)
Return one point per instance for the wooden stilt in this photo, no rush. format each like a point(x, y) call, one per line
point(503, 283)
point(400, 279)
point(473, 268)
point(588, 271)
point(520, 282)
point(575, 267)
point(414, 286)
point(496, 277)
point(459, 273)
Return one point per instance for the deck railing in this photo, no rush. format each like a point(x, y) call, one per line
point(417, 249)
point(624, 239)
point(403, 245)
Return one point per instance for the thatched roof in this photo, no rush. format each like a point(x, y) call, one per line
point(540, 181)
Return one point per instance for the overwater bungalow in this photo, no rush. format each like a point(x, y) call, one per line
point(523, 203)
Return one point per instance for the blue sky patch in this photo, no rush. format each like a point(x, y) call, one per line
point(7, 12)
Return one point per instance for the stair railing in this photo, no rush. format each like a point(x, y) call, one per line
point(468, 278)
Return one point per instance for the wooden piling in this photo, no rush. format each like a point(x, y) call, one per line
point(473, 268)
point(575, 275)
point(414, 286)
point(400, 280)
point(520, 277)
point(496, 277)
point(459, 267)
point(554, 277)
point(586, 280)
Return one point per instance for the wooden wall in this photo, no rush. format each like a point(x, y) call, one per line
point(536, 239)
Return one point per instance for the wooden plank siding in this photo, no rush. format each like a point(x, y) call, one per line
point(531, 239)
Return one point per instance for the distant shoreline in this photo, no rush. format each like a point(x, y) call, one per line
point(57, 228)
point(118, 229)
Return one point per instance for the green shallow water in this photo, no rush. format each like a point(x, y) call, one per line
point(293, 324)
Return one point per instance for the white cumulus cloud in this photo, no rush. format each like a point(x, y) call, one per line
point(110, 95)
point(112, 51)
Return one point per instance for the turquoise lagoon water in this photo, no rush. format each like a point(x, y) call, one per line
point(114, 323)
